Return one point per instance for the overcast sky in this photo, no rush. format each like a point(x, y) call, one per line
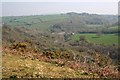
point(59, 0)
point(37, 8)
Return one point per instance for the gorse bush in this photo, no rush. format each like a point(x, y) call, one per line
point(55, 54)
point(19, 45)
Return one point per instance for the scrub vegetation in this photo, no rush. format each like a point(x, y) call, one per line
point(71, 45)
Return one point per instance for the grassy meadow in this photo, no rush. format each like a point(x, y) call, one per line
point(106, 39)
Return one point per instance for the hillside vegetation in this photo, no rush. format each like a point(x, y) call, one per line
point(71, 45)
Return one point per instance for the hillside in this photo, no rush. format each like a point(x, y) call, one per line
point(27, 67)
point(75, 22)
point(71, 45)
point(25, 50)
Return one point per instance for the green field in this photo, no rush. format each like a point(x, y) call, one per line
point(106, 39)
point(41, 22)
point(66, 22)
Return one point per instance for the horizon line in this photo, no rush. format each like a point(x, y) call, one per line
point(57, 14)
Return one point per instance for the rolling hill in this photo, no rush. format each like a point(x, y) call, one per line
point(71, 45)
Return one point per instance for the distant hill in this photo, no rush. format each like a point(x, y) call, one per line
point(75, 22)
point(74, 13)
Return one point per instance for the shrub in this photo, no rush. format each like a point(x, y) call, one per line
point(51, 54)
point(83, 38)
point(19, 45)
point(56, 54)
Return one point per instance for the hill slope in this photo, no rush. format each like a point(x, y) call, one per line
point(66, 22)
point(41, 46)
point(27, 67)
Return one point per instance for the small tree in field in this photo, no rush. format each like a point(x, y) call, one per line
point(99, 33)
point(82, 38)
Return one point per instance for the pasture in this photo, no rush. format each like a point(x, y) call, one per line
point(106, 39)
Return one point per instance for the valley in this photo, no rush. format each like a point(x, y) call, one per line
point(70, 45)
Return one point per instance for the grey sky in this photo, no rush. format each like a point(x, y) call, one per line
point(59, 0)
point(37, 8)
